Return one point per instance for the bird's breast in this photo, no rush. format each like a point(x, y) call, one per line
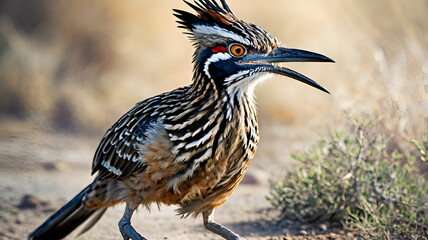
point(205, 164)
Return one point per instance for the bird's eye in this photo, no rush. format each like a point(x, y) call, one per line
point(237, 50)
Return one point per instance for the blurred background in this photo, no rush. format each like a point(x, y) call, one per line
point(70, 69)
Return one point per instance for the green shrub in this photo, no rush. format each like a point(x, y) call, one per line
point(359, 179)
point(422, 147)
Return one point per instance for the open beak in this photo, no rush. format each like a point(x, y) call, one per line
point(268, 63)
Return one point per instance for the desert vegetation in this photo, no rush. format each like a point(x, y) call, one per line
point(359, 179)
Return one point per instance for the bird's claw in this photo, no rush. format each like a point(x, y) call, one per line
point(238, 238)
point(128, 232)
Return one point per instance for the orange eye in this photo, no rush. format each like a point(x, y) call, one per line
point(237, 50)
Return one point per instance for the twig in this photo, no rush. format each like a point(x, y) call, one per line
point(362, 152)
point(361, 155)
point(380, 193)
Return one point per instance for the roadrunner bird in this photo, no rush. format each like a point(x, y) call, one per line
point(189, 147)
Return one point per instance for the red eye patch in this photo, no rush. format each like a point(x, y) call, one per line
point(219, 49)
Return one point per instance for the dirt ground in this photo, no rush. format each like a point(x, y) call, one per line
point(52, 167)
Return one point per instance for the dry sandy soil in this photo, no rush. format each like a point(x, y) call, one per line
point(53, 167)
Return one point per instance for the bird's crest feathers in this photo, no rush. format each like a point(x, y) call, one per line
point(208, 12)
point(213, 23)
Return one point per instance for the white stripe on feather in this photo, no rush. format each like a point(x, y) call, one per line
point(215, 58)
point(216, 30)
point(112, 169)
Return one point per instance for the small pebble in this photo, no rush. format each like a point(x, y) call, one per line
point(58, 165)
point(323, 227)
point(31, 202)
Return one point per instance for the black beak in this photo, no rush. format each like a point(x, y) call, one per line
point(281, 54)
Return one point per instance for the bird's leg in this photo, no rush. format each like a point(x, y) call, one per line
point(128, 232)
point(211, 225)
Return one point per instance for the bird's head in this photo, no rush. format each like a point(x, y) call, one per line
point(232, 53)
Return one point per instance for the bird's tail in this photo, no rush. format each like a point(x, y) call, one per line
point(68, 218)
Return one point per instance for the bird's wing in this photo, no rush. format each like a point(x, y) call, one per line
point(117, 155)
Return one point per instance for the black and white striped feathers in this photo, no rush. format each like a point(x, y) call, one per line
point(196, 118)
point(196, 124)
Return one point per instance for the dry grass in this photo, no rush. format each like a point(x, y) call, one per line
point(80, 64)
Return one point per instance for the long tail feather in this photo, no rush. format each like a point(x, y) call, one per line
point(94, 219)
point(65, 220)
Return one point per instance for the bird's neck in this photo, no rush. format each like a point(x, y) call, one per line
point(207, 120)
point(233, 101)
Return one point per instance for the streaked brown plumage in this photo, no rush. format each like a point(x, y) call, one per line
point(192, 146)
point(171, 167)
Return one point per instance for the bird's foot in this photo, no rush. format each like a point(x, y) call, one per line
point(211, 225)
point(233, 237)
point(239, 238)
point(128, 232)
point(222, 231)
